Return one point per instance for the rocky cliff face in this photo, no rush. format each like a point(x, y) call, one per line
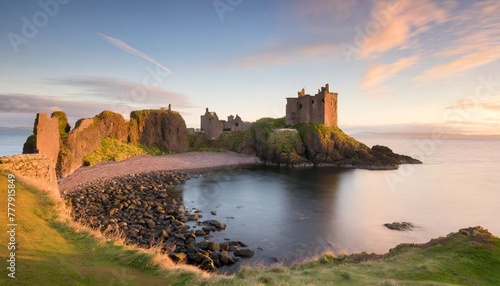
point(85, 138)
point(164, 128)
point(311, 144)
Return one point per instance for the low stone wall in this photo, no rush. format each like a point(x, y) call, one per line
point(34, 169)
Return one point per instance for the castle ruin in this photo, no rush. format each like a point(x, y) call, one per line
point(213, 127)
point(318, 108)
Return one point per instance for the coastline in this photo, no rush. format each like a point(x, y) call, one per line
point(188, 162)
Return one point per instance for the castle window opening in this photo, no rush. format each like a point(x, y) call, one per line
point(313, 101)
point(331, 102)
point(323, 100)
point(300, 106)
point(236, 124)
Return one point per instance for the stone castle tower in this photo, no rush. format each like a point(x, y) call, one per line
point(319, 108)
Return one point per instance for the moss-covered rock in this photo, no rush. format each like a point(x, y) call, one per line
point(385, 154)
point(112, 125)
point(63, 124)
point(285, 147)
point(198, 141)
point(164, 128)
point(86, 138)
point(326, 144)
point(309, 144)
point(29, 146)
point(111, 149)
point(232, 141)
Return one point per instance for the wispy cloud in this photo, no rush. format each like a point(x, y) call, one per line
point(134, 94)
point(29, 103)
point(378, 73)
point(477, 113)
point(468, 61)
point(475, 41)
point(287, 54)
point(102, 94)
point(400, 24)
point(126, 47)
point(492, 103)
point(92, 95)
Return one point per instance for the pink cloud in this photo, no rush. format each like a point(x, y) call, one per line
point(468, 61)
point(476, 41)
point(276, 56)
point(378, 73)
point(492, 104)
point(398, 23)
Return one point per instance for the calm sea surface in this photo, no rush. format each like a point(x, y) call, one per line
point(12, 140)
point(293, 215)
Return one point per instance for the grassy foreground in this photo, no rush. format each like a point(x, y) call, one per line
point(52, 252)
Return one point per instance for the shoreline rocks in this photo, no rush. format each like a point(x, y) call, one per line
point(143, 209)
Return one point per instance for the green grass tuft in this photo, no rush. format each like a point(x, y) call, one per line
point(111, 149)
point(151, 150)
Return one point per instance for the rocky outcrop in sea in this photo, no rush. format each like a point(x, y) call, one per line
point(304, 145)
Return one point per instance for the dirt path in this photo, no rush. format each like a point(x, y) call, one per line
point(144, 164)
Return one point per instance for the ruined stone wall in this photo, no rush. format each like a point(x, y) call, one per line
point(235, 124)
point(330, 114)
point(299, 110)
point(47, 136)
point(34, 169)
point(211, 125)
point(291, 111)
point(320, 108)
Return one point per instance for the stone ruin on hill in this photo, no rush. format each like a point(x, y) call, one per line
point(318, 108)
point(213, 127)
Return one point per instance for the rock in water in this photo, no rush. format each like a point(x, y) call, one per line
point(213, 222)
point(245, 252)
point(399, 225)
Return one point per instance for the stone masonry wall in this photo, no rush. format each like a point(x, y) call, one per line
point(33, 169)
point(47, 136)
point(320, 108)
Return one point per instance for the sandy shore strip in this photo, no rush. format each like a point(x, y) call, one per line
point(145, 164)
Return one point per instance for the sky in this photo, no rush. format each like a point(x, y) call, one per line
point(398, 65)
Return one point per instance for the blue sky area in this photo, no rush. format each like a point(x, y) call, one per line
point(398, 66)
